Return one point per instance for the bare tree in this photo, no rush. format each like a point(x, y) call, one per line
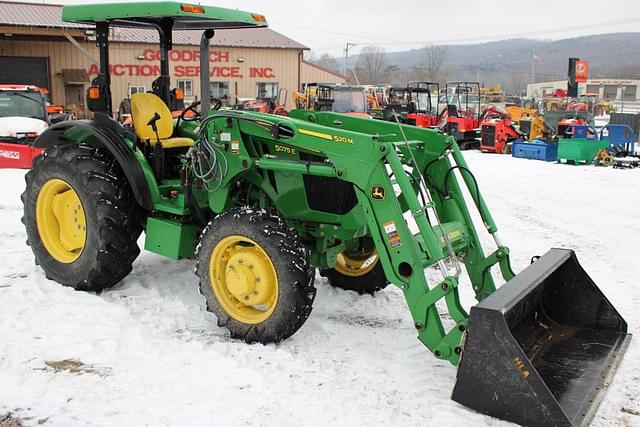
point(326, 61)
point(433, 59)
point(372, 67)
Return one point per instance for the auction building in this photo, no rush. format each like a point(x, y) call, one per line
point(37, 48)
point(610, 89)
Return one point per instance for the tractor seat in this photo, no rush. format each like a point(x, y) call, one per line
point(143, 108)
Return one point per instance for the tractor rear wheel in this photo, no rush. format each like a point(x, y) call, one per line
point(255, 276)
point(359, 271)
point(81, 218)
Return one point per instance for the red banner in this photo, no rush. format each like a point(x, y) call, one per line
point(582, 71)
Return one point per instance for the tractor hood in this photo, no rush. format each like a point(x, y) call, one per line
point(17, 126)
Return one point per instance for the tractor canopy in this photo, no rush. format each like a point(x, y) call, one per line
point(164, 17)
point(183, 16)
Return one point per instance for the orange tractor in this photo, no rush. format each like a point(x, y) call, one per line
point(461, 118)
point(421, 112)
point(269, 105)
point(497, 131)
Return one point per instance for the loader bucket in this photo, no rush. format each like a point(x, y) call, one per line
point(541, 349)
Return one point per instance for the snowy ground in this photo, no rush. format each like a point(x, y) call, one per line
point(147, 352)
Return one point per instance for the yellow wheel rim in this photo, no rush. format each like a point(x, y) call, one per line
point(243, 279)
point(356, 266)
point(61, 222)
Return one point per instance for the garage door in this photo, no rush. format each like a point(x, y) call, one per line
point(24, 70)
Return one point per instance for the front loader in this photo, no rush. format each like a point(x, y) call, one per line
point(260, 201)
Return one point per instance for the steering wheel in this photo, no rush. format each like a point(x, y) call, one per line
point(190, 113)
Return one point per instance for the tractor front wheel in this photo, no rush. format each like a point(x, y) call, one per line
point(81, 218)
point(255, 276)
point(359, 271)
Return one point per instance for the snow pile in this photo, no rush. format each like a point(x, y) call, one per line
point(147, 352)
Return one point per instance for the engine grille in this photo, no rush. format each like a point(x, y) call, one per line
point(488, 136)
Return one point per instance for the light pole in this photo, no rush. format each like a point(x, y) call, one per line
point(346, 57)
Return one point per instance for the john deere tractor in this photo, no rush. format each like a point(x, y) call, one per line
point(261, 201)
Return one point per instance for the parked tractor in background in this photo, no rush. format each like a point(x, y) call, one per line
point(461, 118)
point(260, 201)
point(376, 97)
point(591, 102)
point(395, 104)
point(269, 105)
point(555, 101)
point(497, 131)
point(421, 110)
point(530, 123)
point(566, 127)
point(338, 98)
point(412, 104)
point(491, 95)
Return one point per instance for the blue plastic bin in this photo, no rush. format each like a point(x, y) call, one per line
point(536, 150)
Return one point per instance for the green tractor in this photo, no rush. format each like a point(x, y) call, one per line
point(260, 201)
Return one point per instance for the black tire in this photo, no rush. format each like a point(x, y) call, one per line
point(111, 213)
point(369, 283)
point(294, 275)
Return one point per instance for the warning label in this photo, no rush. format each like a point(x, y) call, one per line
point(392, 234)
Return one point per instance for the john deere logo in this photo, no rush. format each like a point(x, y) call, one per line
point(377, 192)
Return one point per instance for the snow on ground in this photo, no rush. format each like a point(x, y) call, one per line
point(147, 352)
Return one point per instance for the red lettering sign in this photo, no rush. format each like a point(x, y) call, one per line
point(186, 55)
point(117, 70)
point(262, 72)
point(191, 71)
point(150, 55)
point(179, 71)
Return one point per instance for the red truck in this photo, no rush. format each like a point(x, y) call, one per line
point(24, 115)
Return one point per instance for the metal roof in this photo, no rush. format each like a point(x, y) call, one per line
point(36, 15)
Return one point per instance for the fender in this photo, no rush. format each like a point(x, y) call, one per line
point(109, 135)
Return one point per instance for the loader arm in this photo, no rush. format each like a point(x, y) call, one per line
point(548, 337)
point(394, 171)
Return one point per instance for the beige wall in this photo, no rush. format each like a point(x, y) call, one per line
point(312, 74)
point(277, 65)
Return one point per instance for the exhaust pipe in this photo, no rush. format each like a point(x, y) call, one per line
point(205, 90)
point(541, 349)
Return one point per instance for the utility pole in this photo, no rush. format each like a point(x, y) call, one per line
point(346, 57)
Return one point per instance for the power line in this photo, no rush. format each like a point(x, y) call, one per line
point(386, 41)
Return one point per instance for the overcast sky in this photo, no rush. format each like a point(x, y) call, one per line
point(327, 25)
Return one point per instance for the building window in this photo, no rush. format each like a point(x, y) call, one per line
point(186, 86)
point(610, 92)
point(593, 88)
point(220, 90)
point(136, 89)
point(629, 92)
point(266, 90)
